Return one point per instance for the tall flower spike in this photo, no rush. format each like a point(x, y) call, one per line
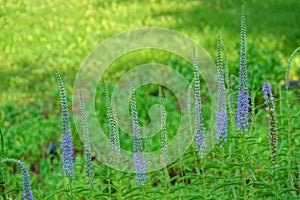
point(67, 144)
point(2, 168)
point(221, 116)
point(163, 128)
point(269, 102)
point(87, 145)
point(116, 137)
point(287, 72)
point(228, 88)
point(27, 192)
point(243, 94)
point(138, 155)
point(113, 127)
point(200, 137)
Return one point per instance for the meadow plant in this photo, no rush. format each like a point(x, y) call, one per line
point(113, 126)
point(67, 143)
point(192, 178)
point(90, 174)
point(290, 118)
point(200, 137)
point(116, 137)
point(221, 116)
point(27, 192)
point(2, 167)
point(269, 102)
point(163, 128)
point(228, 86)
point(138, 155)
point(287, 72)
point(243, 93)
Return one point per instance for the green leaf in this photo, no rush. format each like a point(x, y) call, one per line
point(131, 190)
point(101, 195)
point(224, 185)
point(287, 191)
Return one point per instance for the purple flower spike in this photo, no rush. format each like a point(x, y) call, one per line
point(113, 127)
point(25, 180)
point(67, 143)
point(243, 94)
point(269, 102)
point(138, 155)
point(27, 192)
point(200, 137)
point(87, 145)
point(163, 128)
point(222, 131)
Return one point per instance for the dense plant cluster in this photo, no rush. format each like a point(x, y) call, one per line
point(243, 164)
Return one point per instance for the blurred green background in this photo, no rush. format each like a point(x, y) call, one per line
point(39, 37)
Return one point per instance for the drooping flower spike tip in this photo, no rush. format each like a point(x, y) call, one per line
point(27, 191)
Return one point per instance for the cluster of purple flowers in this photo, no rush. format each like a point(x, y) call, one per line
point(243, 93)
point(67, 144)
point(27, 192)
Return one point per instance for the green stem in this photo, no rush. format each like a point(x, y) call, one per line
point(203, 178)
point(70, 187)
point(198, 174)
point(2, 143)
point(166, 182)
point(290, 136)
point(244, 151)
point(119, 185)
point(290, 143)
point(222, 170)
point(275, 182)
point(144, 193)
point(2, 181)
point(109, 182)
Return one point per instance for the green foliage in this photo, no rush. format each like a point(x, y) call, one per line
point(37, 38)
